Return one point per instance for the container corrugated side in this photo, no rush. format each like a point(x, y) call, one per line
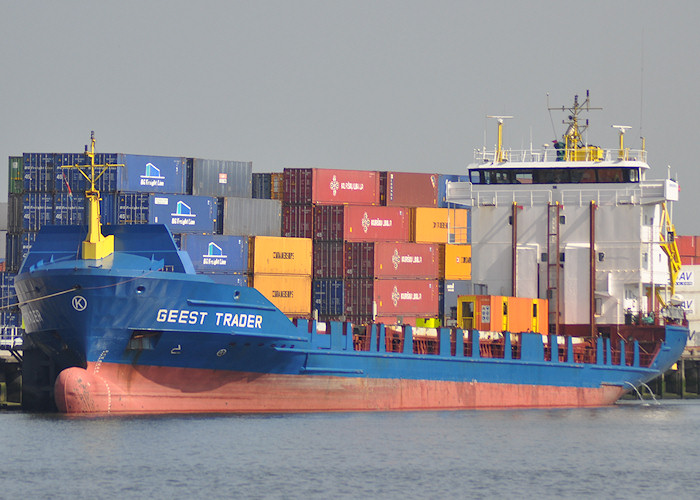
point(215, 253)
point(222, 178)
point(70, 209)
point(183, 213)
point(351, 187)
point(279, 255)
point(374, 223)
point(37, 210)
point(297, 221)
point(38, 171)
point(328, 298)
point(69, 179)
point(458, 262)
point(392, 260)
point(251, 217)
point(277, 186)
point(360, 223)
point(304, 186)
point(15, 176)
point(152, 174)
point(290, 293)
point(440, 225)
point(411, 189)
point(262, 186)
point(328, 260)
point(406, 296)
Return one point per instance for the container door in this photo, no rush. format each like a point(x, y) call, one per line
point(504, 301)
point(466, 313)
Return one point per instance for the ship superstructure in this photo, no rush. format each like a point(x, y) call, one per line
point(576, 224)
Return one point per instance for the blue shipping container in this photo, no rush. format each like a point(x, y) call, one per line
point(37, 210)
point(71, 180)
point(442, 186)
point(38, 171)
point(8, 297)
point(183, 213)
point(328, 297)
point(217, 253)
point(152, 174)
point(69, 209)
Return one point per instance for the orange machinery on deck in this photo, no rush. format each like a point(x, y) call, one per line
point(493, 313)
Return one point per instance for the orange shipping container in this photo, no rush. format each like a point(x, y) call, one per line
point(434, 225)
point(458, 262)
point(278, 255)
point(290, 293)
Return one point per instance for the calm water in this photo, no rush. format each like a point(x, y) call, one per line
point(627, 451)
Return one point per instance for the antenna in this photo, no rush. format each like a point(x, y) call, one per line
point(500, 156)
point(622, 155)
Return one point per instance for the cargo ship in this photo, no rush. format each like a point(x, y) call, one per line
point(131, 328)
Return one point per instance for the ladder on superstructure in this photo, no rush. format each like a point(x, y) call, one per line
point(553, 265)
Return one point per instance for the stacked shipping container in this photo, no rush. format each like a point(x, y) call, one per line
point(375, 243)
point(689, 250)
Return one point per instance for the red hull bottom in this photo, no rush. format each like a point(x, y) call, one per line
point(116, 388)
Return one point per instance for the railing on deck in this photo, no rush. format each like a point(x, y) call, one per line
point(547, 154)
point(580, 350)
point(11, 338)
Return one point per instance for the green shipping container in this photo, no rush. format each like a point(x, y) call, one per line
point(15, 176)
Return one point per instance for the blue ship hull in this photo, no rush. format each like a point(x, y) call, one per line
point(138, 331)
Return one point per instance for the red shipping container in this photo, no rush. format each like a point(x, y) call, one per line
point(297, 221)
point(331, 186)
point(393, 297)
point(360, 223)
point(686, 245)
point(689, 261)
point(328, 259)
point(391, 260)
point(410, 189)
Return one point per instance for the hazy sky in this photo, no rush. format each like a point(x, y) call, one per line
point(377, 85)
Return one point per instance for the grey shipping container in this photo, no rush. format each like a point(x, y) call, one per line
point(252, 217)
point(222, 178)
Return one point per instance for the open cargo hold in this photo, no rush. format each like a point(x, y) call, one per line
point(305, 186)
point(252, 217)
point(408, 189)
point(360, 223)
point(391, 260)
point(278, 255)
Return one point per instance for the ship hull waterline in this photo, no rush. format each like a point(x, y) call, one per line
point(112, 388)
